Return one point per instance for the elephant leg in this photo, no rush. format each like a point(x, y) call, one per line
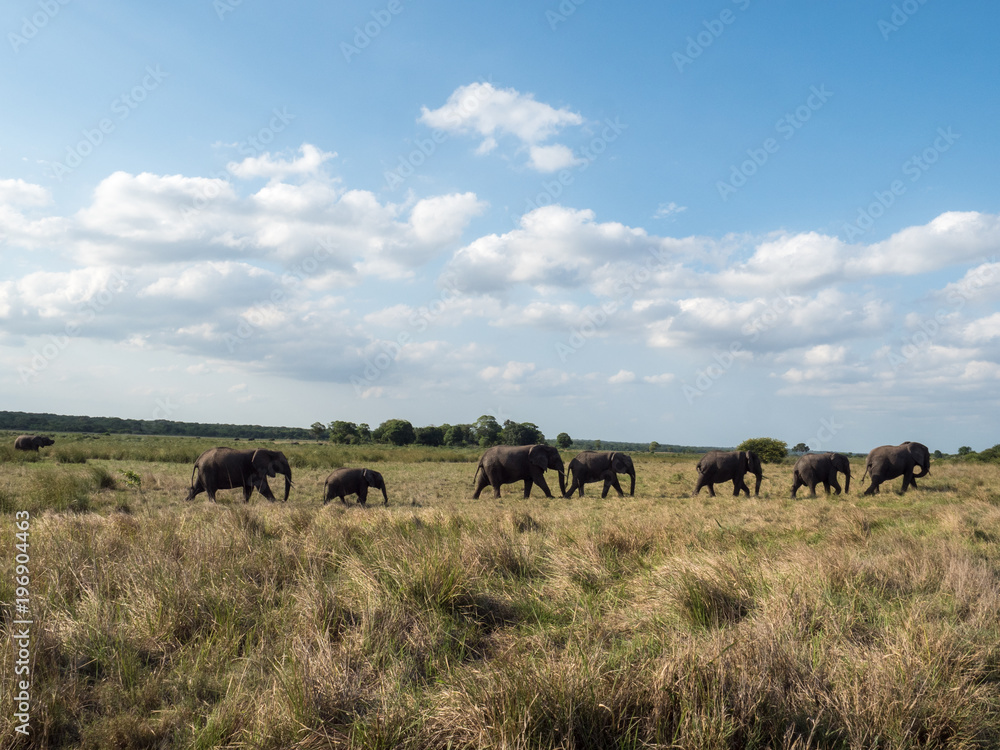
point(835, 484)
point(612, 481)
point(527, 488)
point(480, 486)
point(701, 483)
point(543, 485)
point(574, 486)
point(796, 483)
point(247, 491)
point(362, 495)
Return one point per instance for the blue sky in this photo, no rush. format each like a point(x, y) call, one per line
point(686, 222)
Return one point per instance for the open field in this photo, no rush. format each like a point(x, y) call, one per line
point(655, 621)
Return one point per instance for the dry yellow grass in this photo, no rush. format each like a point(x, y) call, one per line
point(662, 620)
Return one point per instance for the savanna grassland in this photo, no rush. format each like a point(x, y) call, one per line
point(655, 621)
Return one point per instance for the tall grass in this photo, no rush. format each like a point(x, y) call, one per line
point(656, 621)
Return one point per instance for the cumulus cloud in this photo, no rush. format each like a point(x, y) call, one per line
point(275, 168)
point(622, 376)
point(492, 113)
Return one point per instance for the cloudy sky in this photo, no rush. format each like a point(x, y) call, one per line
point(686, 222)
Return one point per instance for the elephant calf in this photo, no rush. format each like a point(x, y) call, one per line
point(353, 482)
point(600, 466)
point(720, 466)
point(32, 442)
point(815, 468)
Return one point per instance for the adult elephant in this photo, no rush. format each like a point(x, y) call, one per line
point(353, 482)
point(32, 442)
point(505, 464)
point(598, 466)
point(890, 461)
point(228, 469)
point(722, 466)
point(815, 468)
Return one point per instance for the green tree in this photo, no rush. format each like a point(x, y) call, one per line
point(654, 446)
point(771, 451)
point(395, 431)
point(520, 433)
point(343, 432)
point(430, 435)
point(964, 450)
point(364, 433)
point(487, 431)
point(800, 448)
point(458, 435)
point(563, 440)
point(597, 445)
point(318, 430)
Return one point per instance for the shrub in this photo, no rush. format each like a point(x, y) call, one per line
point(771, 451)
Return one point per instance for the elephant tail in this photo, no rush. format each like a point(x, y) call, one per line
point(479, 468)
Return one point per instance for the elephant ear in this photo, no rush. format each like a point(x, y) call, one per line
point(537, 456)
point(745, 461)
point(369, 476)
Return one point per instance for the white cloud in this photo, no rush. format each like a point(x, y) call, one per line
point(492, 113)
point(21, 193)
point(622, 376)
point(665, 210)
point(661, 379)
point(273, 168)
point(551, 158)
point(481, 108)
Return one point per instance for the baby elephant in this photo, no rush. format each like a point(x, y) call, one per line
point(353, 482)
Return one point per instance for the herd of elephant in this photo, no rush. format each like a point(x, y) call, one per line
point(227, 469)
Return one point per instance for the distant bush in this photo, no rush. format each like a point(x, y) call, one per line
point(771, 451)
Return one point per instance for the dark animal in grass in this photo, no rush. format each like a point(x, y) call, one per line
point(821, 468)
point(890, 461)
point(343, 482)
point(722, 466)
point(32, 442)
point(506, 464)
point(228, 469)
point(600, 466)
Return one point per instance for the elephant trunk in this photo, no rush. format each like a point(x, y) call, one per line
point(288, 485)
point(847, 481)
point(631, 489)
point(756, 488)
point(924, 468)
point(562, 483)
